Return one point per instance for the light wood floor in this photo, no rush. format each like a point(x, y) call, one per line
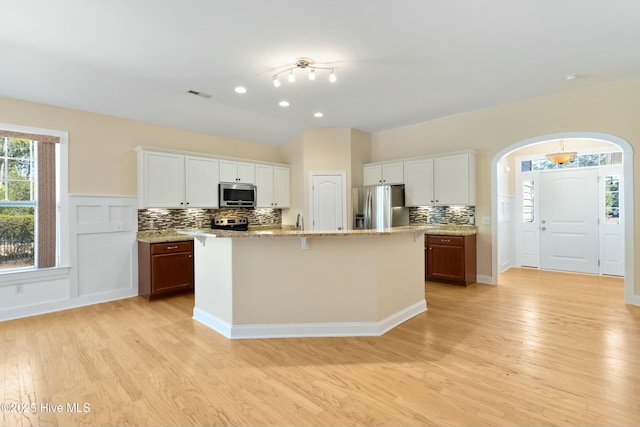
point(539, 349)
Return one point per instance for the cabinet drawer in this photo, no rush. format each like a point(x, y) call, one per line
point(167, 248)
point(445, 240)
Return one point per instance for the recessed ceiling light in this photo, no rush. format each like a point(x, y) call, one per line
point(283, 103)
point(571, 76)
point(241, 89)
point(318, 114)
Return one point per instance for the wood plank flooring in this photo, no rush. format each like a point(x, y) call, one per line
point(539, 349)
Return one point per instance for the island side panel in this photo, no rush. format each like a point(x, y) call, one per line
point(400, 273)
point(213, 277)
point(277, 282)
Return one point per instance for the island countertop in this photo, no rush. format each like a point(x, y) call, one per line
point(280, 233)
point(173, 235)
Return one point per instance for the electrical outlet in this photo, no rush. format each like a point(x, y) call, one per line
point(19, 289)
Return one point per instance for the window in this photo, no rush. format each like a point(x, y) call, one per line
point(527, 202)
point(28, 200)
point(612, 199)
point(580, 161)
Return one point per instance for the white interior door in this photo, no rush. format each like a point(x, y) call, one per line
point(569, 220)
point(328, 202)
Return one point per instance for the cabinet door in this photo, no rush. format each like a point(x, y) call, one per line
point(281, 187)
point(163, 180)
point(171, 272)
point(418, 182)
point(452, 180)
point(247, 173)
point(201, 182)
point(264, 184)
point(393, 173)
point(446, 262)
point(372, 175)
point(228, 171)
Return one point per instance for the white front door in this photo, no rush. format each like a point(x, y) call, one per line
point(569, 220)
point(328, 202)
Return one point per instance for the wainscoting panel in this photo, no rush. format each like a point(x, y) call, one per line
point(103, 243)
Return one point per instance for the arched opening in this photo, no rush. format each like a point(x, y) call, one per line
point(627, 208)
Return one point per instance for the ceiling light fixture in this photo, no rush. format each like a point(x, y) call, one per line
point(562, 156)
point(318, 114)
point(283, 103)
point(241, 89)
point(303, 63)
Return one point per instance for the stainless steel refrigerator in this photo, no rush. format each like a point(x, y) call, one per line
point(378, 207)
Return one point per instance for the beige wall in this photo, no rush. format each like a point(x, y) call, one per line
point(101, 156)
point(323, 149)
point(611, 108)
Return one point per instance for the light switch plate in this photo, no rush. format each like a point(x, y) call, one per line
point(486, 220)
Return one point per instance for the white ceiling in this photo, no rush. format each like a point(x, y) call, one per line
point(399, 62)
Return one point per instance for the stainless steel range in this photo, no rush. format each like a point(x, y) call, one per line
point(233, 224)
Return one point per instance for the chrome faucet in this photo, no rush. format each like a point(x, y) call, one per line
point(300, 222)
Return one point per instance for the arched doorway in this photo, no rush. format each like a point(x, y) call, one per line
point(627, 151)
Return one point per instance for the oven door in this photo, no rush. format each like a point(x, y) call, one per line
point(237, 195)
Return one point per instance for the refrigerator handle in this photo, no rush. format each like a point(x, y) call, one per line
point(367, 210)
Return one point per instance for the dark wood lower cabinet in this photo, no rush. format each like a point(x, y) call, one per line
point(450, 259)
point(165, 268)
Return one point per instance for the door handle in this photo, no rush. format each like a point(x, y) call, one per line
point(543, 228)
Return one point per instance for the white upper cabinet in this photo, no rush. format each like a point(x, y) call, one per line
point(386, 173)
point(168, 180)
point(443, 180)
point(173, 179)
point(201, 182)
point(454, 180)
point(160, 180)
point(272, 184)
point(418, 182)
point(232, 171)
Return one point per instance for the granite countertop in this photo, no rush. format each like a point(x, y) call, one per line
point(173, 235)
point(275, 233)
point(162, 236)
point(451, 230)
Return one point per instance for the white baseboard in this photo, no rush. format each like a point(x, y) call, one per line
point(632, 299)
point(65, 304)
point(486, 280)
point(302, 330)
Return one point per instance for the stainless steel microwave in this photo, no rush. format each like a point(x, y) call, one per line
point(237, 195)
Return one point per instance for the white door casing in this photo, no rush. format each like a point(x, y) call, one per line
point(569, 220)
point(328, 201)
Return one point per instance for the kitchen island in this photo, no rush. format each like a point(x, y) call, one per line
point(282, 283)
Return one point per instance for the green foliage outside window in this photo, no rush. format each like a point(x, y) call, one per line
point(16, 234)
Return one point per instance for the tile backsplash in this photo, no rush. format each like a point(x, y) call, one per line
point(162, 219)
point(452, 215)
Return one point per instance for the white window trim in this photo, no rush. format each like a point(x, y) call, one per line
point(12, 277)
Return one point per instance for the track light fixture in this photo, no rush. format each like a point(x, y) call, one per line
point(303, 63)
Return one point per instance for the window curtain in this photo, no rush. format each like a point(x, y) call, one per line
point(46, 211)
